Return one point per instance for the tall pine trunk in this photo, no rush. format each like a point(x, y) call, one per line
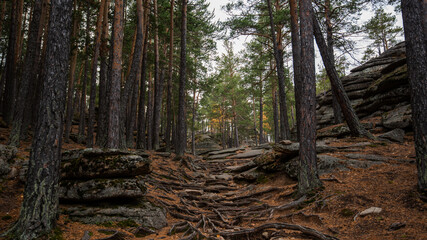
point(91, 117)
point(296, 56)
point(169, 122)
point(30, 58)
point(349, 114)
point(413, 12)
point(278, 56)
point(113, 137)
point(72, 76)
point(150, 106)
point(101, 133)
point(141, 136)
point(40, 206)
point(11, 62)
point(261, 115)
point(308, 177)
point(181, 125)
point(82, 115)
point(157, 83)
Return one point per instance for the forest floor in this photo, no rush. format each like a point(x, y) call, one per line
point(196, 192)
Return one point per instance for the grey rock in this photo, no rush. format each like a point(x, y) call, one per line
point(396, 135)
point(242, 168)
point(249, 154)
point(228, 150)
point(220, 156)
point(266, 146)
point(371, 157)
point(371, 210)
point(145, 214)
point(101, 189)
point(163, 154)
point(396, 226)
point(82, 164)
point(7, 155)
point(248, 176)
point(224, 176)
point(397, 118)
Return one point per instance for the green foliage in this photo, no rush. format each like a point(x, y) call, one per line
point(382, 29)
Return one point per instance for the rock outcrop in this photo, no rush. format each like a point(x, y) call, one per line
point(379, 87)
point(105, 185)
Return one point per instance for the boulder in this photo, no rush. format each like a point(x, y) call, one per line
point(7, 154)
point(100, 189)
point(220, 156)
point(251, 175)
point(370, 157)
point(397, 118)
point(145, 214)
point(85, 164)
point(371, 210)
point(396, 135)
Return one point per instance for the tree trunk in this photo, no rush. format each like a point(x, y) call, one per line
point(415, 29)
point(82, 115)
point(330, 41)
point(261, 116)
point(101, 134)
point(278, 56)
point(69, 108)
point(254, 117)
point(91, 119)
point(2, 14)
point(132, 78)
point(158, 85)
point(150, 105)
point(30, 58)
point(113, 139)
point(11, 62)
point(141, 136)
point(40, 206)
point(169, 85)
point(349, 114)
point(275, 116)
point(193, 121)
point(181, 125)
point(308, 177)
point(296, 56)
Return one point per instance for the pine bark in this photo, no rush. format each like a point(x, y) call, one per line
point(169, 84)
point(261, 115)
point(278, 56)
point(40, 207)
point(181, 125)
point(101, 133)
point(72, 76)
point(82, 115)
point(275, 116)
point(30, 58)
point(296, 57)
point(350, 116)
point(150, 106)
point(113, 137)
point(141, 135)
point(11, 62)
point(158, 85)
point(414, 14)
point(92, 102)
point(308, 177)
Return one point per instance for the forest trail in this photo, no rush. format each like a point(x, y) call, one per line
point(209, 197)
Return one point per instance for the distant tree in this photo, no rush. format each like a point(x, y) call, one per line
point(39, 210)
point(414, 14)
point(382, 29)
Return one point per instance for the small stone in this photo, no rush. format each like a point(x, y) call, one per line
point(396, 135)
point(265, 235)
point(396, 226)
point(371, 210)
